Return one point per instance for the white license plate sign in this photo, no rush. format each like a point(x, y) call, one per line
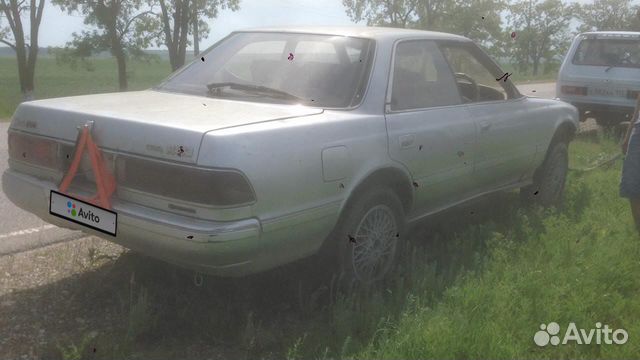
point(607, 92)
point(83, 213)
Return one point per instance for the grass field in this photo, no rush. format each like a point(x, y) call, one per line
point(53, 80)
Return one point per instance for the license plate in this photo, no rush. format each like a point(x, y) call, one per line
point(607, 92)
point(83, 213)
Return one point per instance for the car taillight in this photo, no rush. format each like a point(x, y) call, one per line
point(203, 186)
point(632, 94)
point(34, 150)
point(574, 90)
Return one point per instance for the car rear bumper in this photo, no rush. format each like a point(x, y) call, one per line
point(600, 108)
point(213, 247)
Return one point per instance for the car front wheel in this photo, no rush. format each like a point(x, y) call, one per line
point(548, 185)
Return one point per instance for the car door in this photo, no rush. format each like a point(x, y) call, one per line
point(506, 147)
point(429, 130)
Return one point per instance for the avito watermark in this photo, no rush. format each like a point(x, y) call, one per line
point(549, 334)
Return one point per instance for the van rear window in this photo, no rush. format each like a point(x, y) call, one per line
point(608, 52)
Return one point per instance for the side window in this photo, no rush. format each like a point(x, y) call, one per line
point(475, 81)
point(421, 77)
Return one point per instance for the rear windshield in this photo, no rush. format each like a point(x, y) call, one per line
point(315, 70)
point(608, 52)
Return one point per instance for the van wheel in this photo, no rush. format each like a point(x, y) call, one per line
point(367, 236)
point(548, 184)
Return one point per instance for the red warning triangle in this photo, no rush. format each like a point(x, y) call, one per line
point(105, 181)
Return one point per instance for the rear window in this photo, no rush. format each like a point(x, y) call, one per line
point(309, 69)
point(608, 52)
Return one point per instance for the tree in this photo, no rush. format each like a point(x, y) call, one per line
point(208, 10)
point(122, 27)
point(478, 20)
point(461, 17)
point(541, 28)
point(26, 48)
point(607, 15)
point(394, 13)
point(179, 18)
point(431, 13)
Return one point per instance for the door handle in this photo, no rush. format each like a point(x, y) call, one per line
point(484, 125)
point(406, 140)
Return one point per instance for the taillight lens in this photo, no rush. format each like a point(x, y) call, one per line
point(632, 94)
point(574, 90)
point(34, 150)
point(203, 186)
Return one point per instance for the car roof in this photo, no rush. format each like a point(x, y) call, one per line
point(609, 34)
point(371, 32)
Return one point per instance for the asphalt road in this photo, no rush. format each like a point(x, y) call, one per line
point(20, 230)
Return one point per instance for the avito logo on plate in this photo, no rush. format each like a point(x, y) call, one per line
point(83, 213)
point(89, 215)
point(549, 334)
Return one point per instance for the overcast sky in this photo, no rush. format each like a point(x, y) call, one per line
point(57, 26)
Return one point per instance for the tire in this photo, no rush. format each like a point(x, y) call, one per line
point(363, 257)
point(549, 181)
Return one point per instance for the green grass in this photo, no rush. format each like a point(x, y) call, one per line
point(56, 80)
point(586, 154)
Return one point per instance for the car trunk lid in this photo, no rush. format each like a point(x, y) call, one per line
point(149, 123)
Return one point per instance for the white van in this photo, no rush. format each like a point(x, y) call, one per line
point(601, 75)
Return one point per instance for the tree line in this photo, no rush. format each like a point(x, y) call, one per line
point(529, 33)
point(122, 27)
point(526, 32)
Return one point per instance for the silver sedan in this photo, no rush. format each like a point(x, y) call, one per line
point(282, 143)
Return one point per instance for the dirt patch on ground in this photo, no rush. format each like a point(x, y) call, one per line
point(43, 296)
point(91, 299)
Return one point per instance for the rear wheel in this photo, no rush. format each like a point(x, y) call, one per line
point(366, 238)
point(548, 185)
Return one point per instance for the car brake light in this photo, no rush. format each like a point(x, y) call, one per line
point(632, 94)
point(574, 90)
point(33, 150)
point(218, 187)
